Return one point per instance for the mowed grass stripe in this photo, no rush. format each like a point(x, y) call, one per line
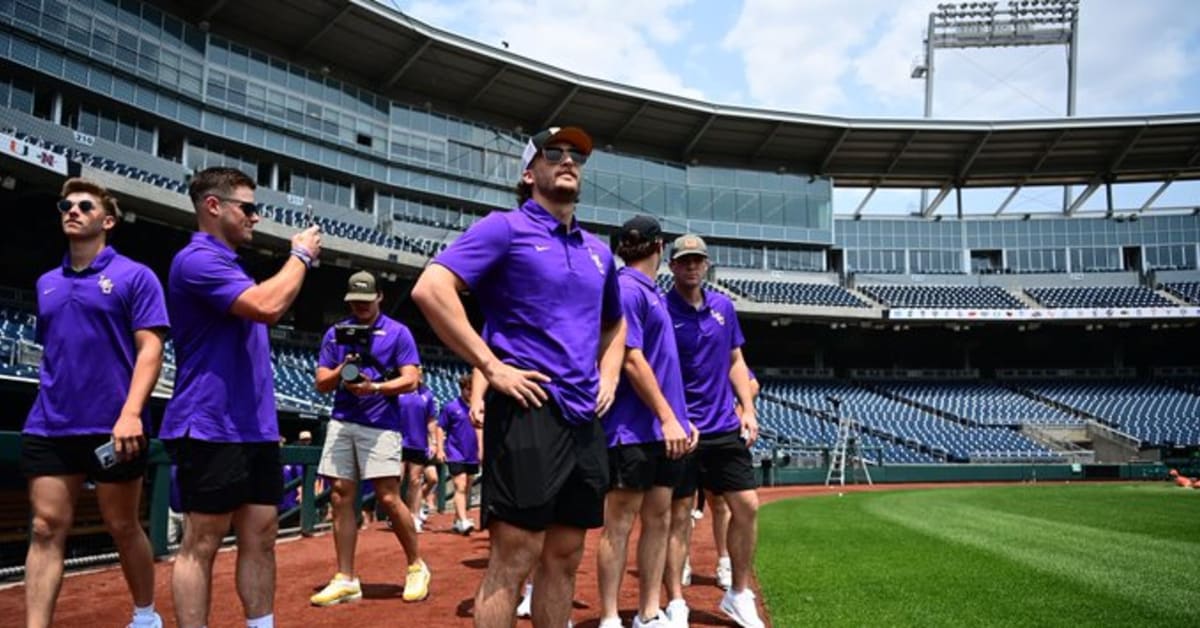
point(1121, 563)
point(1004, 556)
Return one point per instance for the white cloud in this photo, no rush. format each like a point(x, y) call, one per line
point(606, 39)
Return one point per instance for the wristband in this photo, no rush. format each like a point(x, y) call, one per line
point(303, 256)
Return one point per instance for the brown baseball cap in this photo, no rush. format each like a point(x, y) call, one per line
point(689, 244)
point(361, 287)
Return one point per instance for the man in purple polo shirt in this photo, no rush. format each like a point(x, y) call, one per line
point(646, 434)
point(220, 427)
point(714, 372)
point(101, 321)
point(418, 417)
point(552, 358)
point(458, 447)
point(371, 366)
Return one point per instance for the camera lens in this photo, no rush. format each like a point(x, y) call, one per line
point(351, 373)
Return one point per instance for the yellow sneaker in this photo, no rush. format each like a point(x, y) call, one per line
point(339, 591)
point(416, 584)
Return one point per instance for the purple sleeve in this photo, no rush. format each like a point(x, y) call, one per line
point(633, 303)
point(39, 325)
point(214, 280)
point(149, 307)
point(610, 311)
point(330, 356)
point(736, 339)
point(430, 406)
point(406, 349)
point(475, 252)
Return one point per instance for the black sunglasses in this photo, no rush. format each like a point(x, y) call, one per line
point(247, 207)
point(85, 206)
point(555, 155)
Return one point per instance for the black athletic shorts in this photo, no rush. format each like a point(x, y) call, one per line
point(689, 479)
point(415, 456)
point(218, 478)
point(76, 455)
point(540, 470)
point(455, 468)
point(724, 463)
point(643, 466)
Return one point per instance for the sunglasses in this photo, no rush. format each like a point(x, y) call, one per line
point(247, 207)
point(85, 206)
point(555, 155)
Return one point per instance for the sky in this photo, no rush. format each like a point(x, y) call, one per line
point(854, 58)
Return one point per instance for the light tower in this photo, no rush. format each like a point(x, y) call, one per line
point(982, 25)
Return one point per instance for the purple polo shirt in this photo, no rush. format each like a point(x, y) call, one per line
point(647, 328)
point(461, 443)
point(224, 388)
point(545, 289)
point(392, 346)
point(415, 409)
point(86, 322)
point(706, 337)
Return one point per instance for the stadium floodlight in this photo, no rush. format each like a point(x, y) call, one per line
point(983, 25)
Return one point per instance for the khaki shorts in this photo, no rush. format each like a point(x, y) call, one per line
point(358, 452)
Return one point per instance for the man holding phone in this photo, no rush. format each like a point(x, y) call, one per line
point(101, 321)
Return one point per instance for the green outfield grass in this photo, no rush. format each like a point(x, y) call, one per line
point(1032, 555)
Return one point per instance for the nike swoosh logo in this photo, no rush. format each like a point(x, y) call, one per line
point(47, 290)
point(539, 249)
point(678, 325)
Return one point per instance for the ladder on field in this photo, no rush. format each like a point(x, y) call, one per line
point(846, 447)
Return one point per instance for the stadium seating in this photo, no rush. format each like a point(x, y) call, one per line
point(793, 293)
point(981, 403)
point(980, 297)
point(1157, 413)
point(902, 423)
point(1098, 296)
point(1188, 291)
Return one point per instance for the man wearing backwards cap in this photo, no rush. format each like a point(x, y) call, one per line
point(710, 353)
point(647, 431)
point(363, 439)
point(552, 356)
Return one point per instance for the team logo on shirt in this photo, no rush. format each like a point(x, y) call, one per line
point(106, 284)
point(720, 318)
point(597, 261)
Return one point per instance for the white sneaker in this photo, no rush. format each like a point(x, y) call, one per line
point(611, 622)
point(525, 608)
point(418, 524)
point(724, 573)
point(697, 514)
point(463, 526)
point(677, 614)
point(741, 609)
point(686, 578)
point(340, 590)
point(151, 621)
point(658, 621)
point(423, 514)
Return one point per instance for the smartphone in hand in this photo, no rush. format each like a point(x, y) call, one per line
point(106, 455)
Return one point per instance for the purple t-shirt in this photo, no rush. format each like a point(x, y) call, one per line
point(392, 346)
point(461, 443)
point(415, 409)
point(545, 289)
point(224, 388)
point(647, 328)
point(706, 338)
point(86, 322)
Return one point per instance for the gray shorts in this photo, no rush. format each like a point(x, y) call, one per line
point(357, 452)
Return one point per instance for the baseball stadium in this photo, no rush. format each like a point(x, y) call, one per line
point(968, 415)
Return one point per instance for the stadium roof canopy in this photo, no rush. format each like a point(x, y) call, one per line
point(366, 43)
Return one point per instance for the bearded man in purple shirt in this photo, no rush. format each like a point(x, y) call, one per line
point(710, 342)
point(552, 356)
point(647, 431)
point(370, 369)
point(101, 321)
point(220, 426)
